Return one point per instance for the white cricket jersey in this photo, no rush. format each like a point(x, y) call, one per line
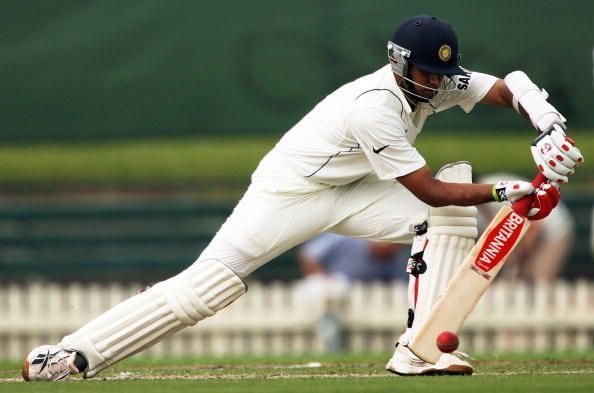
point(364, 127)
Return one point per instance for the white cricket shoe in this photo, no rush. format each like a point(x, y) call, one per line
point(404, 362)
point(454, 364)
point(49, 363)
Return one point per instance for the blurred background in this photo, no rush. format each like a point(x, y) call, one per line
point(130, 129)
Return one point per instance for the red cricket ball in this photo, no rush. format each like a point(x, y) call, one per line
point(447, 341)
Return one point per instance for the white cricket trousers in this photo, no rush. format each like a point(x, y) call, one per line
point(266, 223)
point(278, 211)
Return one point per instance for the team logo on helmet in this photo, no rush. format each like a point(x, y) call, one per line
point(444, 52)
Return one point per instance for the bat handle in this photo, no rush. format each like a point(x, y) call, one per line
point(523, 205)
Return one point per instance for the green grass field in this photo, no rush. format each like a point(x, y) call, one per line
point(206, 164)
point(335, 373)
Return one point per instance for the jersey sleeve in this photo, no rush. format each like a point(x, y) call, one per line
point(382, 137)
point(469, 90)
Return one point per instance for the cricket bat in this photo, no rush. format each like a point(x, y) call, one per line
point(474, 276)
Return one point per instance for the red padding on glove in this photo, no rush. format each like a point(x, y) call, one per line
point(545, 200)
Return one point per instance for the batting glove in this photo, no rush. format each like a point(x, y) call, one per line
point(556, 155)
point(511, 190)
point(545, 199)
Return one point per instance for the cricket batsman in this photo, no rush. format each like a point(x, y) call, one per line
point(350, 167)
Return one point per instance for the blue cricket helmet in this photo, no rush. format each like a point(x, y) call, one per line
point(429, 43)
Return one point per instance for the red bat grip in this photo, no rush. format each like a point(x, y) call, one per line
point(523, 205)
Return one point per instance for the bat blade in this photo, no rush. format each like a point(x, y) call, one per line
point(472, 279)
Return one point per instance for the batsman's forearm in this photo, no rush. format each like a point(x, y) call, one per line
point(458, 194)
point(437, 193)
point(501, 96)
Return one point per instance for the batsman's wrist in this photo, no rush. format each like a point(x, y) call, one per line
point(494, 193)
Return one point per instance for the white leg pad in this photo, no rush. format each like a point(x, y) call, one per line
point(450, 237)
point(145, 319)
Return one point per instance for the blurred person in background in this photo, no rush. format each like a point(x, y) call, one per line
point(349, 166)
point(544, 250)
point(331, 263)
point(352, 259)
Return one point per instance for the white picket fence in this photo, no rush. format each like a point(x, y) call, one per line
point(275, 319)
